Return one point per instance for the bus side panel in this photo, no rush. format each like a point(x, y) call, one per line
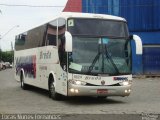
point(37, 64)
point(53, 66)
point(26, 60)
point(47, 62)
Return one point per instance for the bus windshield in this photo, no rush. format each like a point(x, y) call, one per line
point(97, 27)
point(99, 47)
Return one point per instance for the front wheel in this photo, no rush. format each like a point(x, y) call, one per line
point(52, 92)
point(102, 97)
point(4, 67)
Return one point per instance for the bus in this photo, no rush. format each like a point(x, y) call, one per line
point(77, 54)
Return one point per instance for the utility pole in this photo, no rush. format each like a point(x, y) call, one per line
point(0, 55)
point(0, 50)
point(12, 53)
point(0, 44)
point(1, 37)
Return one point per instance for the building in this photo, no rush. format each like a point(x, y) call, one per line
point(143, 17)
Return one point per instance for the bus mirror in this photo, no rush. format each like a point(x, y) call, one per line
point(138, 43)
point(68, 44)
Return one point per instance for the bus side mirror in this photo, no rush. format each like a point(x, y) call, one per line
point(138, 43)
point(68, 42)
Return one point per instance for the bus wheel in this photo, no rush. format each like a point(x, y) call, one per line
point(23, 85)
point(52, 93)
point(102, 97)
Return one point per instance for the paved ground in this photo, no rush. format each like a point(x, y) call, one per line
point(145, 98)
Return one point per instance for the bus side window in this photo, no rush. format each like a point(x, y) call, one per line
point(20, 41)
point(61, 43)
point(61, 51)
point(51, 36)
point(51, 33)
point(51, 39)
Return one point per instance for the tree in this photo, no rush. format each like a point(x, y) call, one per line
point(7, 56)
point(0, 54)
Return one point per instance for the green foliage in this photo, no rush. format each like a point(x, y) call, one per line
point(6, 56)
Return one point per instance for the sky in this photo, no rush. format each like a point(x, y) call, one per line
point(17, 19)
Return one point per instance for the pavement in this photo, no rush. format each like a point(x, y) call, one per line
point(144, 100)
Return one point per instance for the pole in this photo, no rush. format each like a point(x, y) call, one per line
point(0, 50)
point(12, 53)
point(2, 36)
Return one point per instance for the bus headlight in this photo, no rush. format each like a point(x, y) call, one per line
point(125, 83)
point(77, 82)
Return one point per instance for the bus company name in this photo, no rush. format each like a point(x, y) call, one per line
point(120, 78)
point(92, 78)
point(86, 77)
point(45, 55)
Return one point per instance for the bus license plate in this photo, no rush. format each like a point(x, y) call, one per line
point(102, 91)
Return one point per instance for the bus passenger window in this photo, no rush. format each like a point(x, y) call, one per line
point(51, 39)
point(20, 40)
point(61, 51)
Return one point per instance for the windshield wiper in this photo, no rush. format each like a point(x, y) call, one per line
point(93, 63)
point(111, 60)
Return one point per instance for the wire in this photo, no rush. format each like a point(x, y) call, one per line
point(15, 5)
point(8, 31)
point(99, 6)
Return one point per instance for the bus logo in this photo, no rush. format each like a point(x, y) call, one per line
point(120, 78)
point(103, 82)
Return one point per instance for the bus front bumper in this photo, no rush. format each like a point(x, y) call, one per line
point(75, 90)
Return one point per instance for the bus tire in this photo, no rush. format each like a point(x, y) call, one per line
point(4, 67)
point(52, 93)
point(23, 85)
point(102, 97)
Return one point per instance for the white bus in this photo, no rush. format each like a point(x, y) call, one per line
point(77, 54)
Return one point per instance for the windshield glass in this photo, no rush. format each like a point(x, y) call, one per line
point(99, 47)
point(97, 27)
point(100, 55)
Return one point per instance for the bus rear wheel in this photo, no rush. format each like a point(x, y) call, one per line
point(52, 92)
point(23, 85)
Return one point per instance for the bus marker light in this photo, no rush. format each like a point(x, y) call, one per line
point(125, 83)
point(78, 82)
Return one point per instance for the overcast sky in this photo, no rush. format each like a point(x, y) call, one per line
point(25, 17)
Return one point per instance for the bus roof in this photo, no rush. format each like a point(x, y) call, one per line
point(90, 15)
point(67, 15)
